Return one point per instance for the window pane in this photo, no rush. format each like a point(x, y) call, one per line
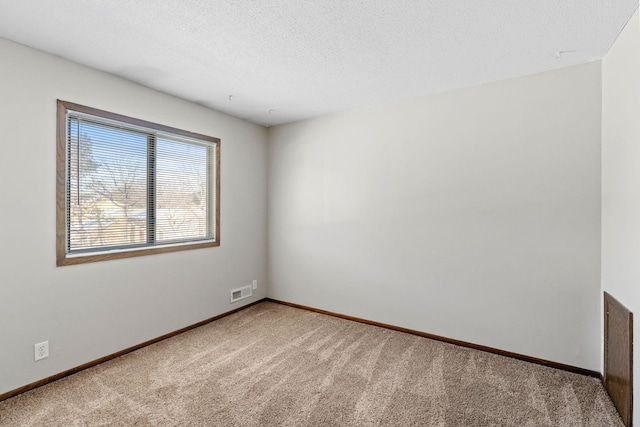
point(107, 186)
point(128, 187)
point(181, 190)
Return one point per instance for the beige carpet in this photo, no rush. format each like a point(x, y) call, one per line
point(272, 365)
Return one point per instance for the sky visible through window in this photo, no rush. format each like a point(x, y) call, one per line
point(109, 192)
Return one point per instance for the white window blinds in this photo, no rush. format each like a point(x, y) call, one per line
point(130, 186)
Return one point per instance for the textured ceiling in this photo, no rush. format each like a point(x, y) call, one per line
point(278, 61)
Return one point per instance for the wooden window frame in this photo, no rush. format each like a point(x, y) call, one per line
point(62, 255)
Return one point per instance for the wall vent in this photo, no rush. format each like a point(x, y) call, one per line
point(240, 293)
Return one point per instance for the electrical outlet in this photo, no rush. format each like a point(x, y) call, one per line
point(41, 350)
point(255, 284)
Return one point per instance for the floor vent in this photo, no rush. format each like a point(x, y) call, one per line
point(240, 293)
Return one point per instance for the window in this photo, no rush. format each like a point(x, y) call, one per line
point(127, 187)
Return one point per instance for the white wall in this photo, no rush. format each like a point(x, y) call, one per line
point(92, 310)
point(621, 176)
point(472, 214)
